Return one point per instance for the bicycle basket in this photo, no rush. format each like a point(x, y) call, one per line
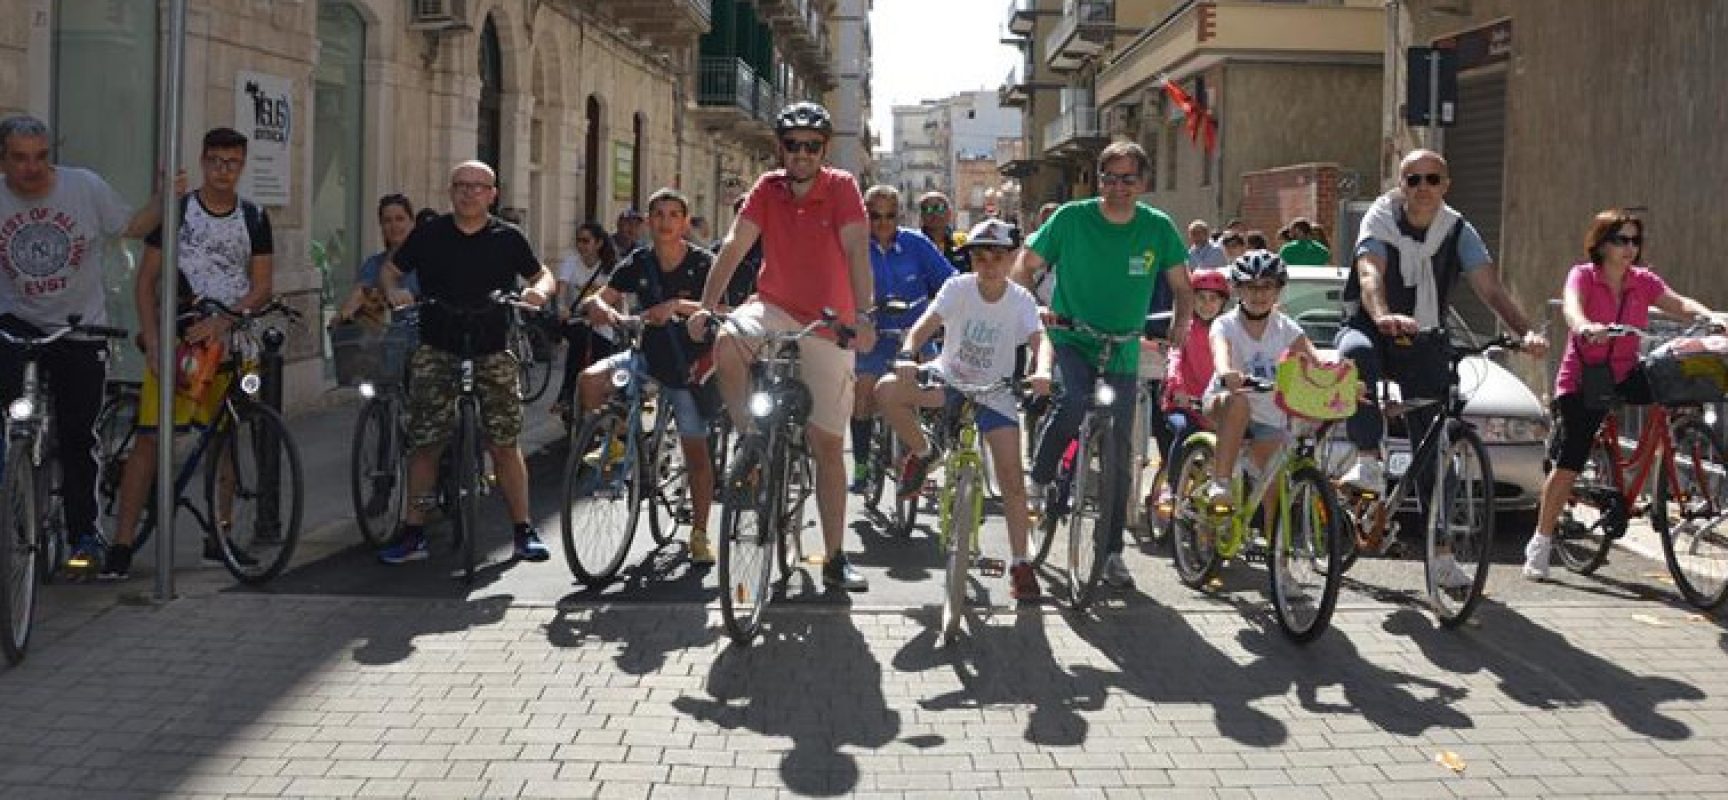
point(377, 355)
point(1687, 372)
point(1316, 391)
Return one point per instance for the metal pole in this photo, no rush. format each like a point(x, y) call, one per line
point(172, 92)
point(1434, 134)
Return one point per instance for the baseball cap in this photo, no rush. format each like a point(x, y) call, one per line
point(993, 233)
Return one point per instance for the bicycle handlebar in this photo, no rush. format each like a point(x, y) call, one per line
point(842, 333)
point(73, 325)
point(210, 305)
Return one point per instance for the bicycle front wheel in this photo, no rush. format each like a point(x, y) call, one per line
point(1691, 508)
point(1460, 541)
point(17, 554)
point(533, 374)
point(602, 495)
point(881, 461)
point(800, 485)
point(468, 477)
point(1307, 560)
point(1193, 526)
point(253, 491)
point(1588, 523)
point(667, 480)
point(115, 429)
point(1096, 502)
point(747, 541)
point(963, 515)
point(378, 471)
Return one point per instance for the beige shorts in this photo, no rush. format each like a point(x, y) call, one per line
point(823, 365)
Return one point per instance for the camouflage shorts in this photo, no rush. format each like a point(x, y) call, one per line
point(435, 381)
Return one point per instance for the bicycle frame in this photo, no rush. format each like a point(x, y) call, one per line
point(1655, 447)
point(1286, 462)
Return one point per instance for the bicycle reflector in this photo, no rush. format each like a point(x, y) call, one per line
point(21, 409)
point(761, 404)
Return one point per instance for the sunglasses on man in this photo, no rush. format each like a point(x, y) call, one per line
point(1415, 179)
point(929, 209)
point(812, 146)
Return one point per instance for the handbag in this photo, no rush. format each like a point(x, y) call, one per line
point(1316, 391)
point(1596, 387)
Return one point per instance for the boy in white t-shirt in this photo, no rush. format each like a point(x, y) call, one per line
point(1248, 342)
point(984, 317)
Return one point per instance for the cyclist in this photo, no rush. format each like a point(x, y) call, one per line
point(395, 222)
point(936, 222)
point(1410, 249)
point(984, 317)
point(55, 224)
point(580, 275)
point(1191, 369)
point(815, 256)
point(225, 254)
point(666, 277)
point(462, 258)
point(1247, 343)
point(908, 268)
point(1112, 250)
point(1612, 287)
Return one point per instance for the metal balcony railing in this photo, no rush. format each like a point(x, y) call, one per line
point(1071, 126)
point(1020, 16)
point(1077, 13)
point(727, 82)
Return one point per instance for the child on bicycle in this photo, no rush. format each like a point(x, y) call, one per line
point(1248, 342)
point(984, 317)
point(1190, 368)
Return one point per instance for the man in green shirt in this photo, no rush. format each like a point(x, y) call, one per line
point(1304, 249)
point(1112, 249)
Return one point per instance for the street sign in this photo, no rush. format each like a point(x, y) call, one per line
point(1431, 86)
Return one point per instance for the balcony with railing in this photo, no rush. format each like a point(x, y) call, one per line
point(1075, 131)
point(1085, 28)
point(1013, 93)
point(1022, 16)
point(726, 91)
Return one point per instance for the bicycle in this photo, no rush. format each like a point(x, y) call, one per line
point(1459, 508)
point(532, 343)
point(255, 461)
point(618, 465)
point(770, 481)
point(32, 535)
point(1090, 490)
point(1306, 552)
point(886, 452)
point(961, 503)
point(378, 458)
point(1685, 456)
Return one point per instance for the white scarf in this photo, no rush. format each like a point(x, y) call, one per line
point(1415, 258)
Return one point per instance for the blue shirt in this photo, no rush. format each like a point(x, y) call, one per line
point(374, 264)
point(910, 270)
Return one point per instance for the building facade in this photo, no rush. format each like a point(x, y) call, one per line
point(584, 108)
point(939, 141)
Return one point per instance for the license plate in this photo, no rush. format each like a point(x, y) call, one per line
point(1398, 464)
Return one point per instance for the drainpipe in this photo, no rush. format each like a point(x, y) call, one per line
point(1389, 93)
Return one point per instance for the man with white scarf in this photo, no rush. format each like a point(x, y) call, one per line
point(1409, 252)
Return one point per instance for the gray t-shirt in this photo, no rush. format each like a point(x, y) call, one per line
point(51, 249)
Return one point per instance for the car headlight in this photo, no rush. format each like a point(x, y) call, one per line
point(761, 404)
point(21, 409)
point(1511, 430)
point(367, 390)
point(1104, 395)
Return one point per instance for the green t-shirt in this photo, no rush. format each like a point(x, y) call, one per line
point(1108, 271)
point(1305, 253)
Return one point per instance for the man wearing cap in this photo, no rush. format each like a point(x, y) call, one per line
point(629, 235)
point(936, 221)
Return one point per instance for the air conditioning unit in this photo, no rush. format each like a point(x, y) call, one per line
point(436, 15)
point(1122, 120)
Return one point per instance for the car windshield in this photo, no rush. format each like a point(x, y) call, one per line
point(1316, 302)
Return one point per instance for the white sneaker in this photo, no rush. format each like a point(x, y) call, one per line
point(1449, 575)
point(1536, 557)
point(1366, 475)
point(1116, 572)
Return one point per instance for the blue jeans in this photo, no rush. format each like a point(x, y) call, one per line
point(1075, 374)
point(1419, 374)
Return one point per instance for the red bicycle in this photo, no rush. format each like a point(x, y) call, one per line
point(1687, 508)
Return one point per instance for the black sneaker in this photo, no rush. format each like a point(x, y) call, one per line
point(116, 563)
point(840, 573)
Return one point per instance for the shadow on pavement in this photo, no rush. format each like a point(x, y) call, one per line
point(810, 678)
point(584, 618)
point(1541, 669)
point(395, 642)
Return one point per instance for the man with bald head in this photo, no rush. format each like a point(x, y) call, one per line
point(461, 259)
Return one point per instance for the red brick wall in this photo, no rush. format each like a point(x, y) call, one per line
point(1271, 198)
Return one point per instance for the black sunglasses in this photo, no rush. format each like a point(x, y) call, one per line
point(812, 147)
point(1622, 239)
point(1118, 178)
point(1415, 179)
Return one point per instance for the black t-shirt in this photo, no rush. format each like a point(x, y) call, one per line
point(463, 270)
point(669, 349)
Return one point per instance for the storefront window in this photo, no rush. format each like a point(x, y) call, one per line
point(341, 237)
point(105, 119)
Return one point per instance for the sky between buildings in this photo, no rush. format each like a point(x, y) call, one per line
point(929, 49)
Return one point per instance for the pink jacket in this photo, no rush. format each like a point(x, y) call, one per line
point(1190, 367)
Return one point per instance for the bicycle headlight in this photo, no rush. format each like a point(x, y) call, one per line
point(761, 404)
point(1104, 395)
point(620, 378)
point(1710, 416)
point(250, 383)
point(368, 390)
point(21, 410)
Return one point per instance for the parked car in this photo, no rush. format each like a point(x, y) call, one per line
point(1510, 418)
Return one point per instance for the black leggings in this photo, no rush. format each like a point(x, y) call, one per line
point(1576, 425)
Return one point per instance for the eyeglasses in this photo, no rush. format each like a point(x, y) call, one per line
point(470, 186)
point(1415, 179)
point(225, 164)
point(811, 146)
point(1118, 178)
point(875, 217)
point(933, 208)
point(1622, 240)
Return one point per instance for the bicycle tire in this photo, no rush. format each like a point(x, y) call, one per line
point(378, 471)
point(533, 375)
point(987, 472)
point(880, 463)
point(600, 500)
point(665, 479)
point(800, 485)
point(1193, 542)
point(747, 542)
point(1463, 506)
point(51, 532)
point(1090, 505)
point(1583, 540)
point(260, 528)
point(116, 427)
point(464, 476)
point(1041, 534)
point(1308, 537)
point(1697, 554)
point(18, 585)
point(960, 527)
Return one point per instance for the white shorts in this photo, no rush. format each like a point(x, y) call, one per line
point(823, 365)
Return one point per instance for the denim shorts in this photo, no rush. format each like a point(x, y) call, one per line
point(686, 413)
point(988, 418)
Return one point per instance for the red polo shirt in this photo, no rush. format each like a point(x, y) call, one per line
point(804, 267)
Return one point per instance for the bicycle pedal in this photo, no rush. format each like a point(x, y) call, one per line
point(991, 567)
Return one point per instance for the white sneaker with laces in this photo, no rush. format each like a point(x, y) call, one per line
point(1536, 557)
point(1116, 572)
point(1366, 475)
point(1449, 575)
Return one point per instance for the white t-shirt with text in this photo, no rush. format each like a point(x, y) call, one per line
point(52, 248)
point(1256, 358)
point(979, 336)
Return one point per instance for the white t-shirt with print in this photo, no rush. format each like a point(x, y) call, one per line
point(979, 336)
point(1256, 358)
point(51, 249)
point(216, 250)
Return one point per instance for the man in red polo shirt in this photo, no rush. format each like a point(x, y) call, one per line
point(815, 256)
